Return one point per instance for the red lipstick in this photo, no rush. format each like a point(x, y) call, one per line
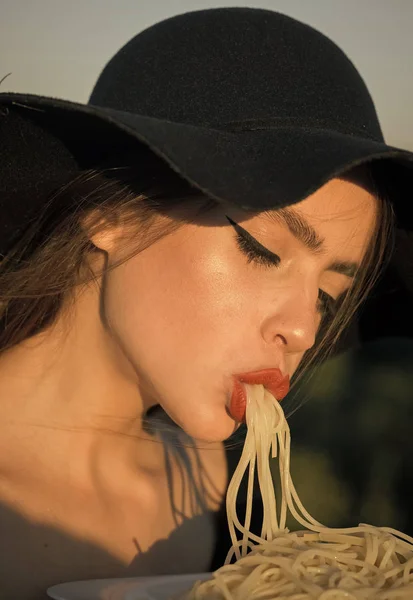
point(275, 382)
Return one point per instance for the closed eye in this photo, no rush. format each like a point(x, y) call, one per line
point(255, 252)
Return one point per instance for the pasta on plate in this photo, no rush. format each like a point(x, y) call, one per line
point(322, 563)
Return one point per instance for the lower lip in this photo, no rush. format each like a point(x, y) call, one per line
point(238, 403)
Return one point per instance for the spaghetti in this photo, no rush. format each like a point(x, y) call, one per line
point(322, 563)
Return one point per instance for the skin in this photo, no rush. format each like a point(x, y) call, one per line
point(171, 326)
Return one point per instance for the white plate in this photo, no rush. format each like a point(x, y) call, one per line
point(166, 587)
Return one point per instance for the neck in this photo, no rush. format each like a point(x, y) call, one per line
point(72, 389)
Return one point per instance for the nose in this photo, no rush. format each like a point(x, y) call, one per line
point(292, 324)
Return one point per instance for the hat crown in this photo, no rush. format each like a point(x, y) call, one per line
point(217, 66)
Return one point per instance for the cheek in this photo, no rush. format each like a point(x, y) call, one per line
point(293, 362)
point(173, 312)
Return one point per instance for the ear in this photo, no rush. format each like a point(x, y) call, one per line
point(103, 234)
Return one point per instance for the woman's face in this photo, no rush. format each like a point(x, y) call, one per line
point(202, 304)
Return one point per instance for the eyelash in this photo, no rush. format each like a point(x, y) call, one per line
point(326, 305)
point(257, 253)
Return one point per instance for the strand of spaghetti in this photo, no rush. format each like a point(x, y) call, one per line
point(357, 563)
point(293, 496)
point(276, 426)
point(251, 581)
point(285, 448)
point(233, 521)
point(397, 533)
point(374, 549)
point(262, 457)
point(284, 505)
point(407, 570)
point(268, 499)
point(222, 586)
point(251, 403)
point(248, 509)
point(281, 437)
point(296, 508)
point(274, 519)
point(270, 512)
point(247, 457)
point(232, 494)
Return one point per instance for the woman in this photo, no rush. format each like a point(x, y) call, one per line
point(214, 215)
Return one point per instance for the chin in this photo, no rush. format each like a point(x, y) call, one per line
point(214, 425)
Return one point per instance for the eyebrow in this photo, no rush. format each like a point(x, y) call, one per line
point(307, 235)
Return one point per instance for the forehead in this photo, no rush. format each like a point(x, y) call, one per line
point(341, 204)
point(343, 211)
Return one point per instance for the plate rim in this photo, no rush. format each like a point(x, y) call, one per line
point(59, 589)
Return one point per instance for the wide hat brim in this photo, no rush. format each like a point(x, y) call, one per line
point(261, 167)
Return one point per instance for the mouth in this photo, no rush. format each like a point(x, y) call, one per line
point(272, 379)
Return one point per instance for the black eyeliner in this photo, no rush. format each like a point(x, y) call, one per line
point(255, 245)
point(259, 253)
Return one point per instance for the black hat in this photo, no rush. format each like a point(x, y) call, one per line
point(248, 105)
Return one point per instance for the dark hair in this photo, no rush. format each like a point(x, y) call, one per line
point(376, 257)
point(38, 276)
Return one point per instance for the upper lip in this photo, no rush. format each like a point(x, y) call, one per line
point(273, 379)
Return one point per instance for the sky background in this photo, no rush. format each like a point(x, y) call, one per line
point(58, 48)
